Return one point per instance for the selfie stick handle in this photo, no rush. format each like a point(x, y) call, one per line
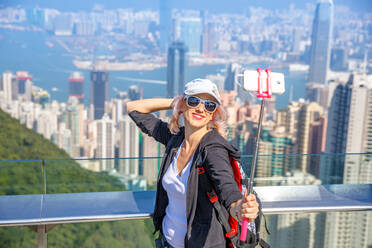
point(243, 235)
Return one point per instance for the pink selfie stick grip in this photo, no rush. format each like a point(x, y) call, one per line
point(243, 234)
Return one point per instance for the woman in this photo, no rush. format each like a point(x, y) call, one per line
point(183, 213)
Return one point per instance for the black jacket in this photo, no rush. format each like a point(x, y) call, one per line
point(203, 227)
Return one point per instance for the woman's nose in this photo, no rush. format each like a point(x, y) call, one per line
point(200, 107)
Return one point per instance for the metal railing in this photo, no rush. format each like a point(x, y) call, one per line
point(117, 189)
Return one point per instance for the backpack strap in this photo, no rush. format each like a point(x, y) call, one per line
point(213, 198)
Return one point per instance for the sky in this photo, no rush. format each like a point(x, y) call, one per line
point(214, 6)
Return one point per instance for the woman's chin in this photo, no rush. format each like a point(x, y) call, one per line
point(197, 124)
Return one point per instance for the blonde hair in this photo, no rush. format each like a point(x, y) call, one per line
point(218, 122)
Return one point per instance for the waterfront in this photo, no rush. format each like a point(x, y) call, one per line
point(51, 66)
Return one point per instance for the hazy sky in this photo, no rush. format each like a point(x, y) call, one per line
point(232, 6)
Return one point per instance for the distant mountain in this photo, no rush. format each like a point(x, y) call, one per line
point(63, 176)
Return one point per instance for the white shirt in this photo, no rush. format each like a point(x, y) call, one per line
point(175, 221)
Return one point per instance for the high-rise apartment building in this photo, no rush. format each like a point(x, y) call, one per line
point(24, 83)
point(321, 42)
point(99, 91)
point(232, 70)
point(348, 131)
point(289, 118)
point(76, 86)
point(176, 69)
point(105, 142)
point(149, 147)
point(274, 143)
point(128, 147)
point(308, 113)
point(74, 121)
point(317, 140)
point(9, 86)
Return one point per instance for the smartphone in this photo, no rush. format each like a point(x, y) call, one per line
point(250, 81)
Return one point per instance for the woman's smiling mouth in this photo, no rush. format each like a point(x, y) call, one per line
point(198, 116)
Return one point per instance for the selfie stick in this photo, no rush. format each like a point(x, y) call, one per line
point(262, 95)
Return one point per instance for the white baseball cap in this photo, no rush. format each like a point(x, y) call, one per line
point(198, 86)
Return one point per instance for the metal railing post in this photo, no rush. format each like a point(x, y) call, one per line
point(42, 236)
point(44, 175)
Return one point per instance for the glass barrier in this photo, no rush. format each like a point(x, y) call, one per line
point(307, 169)
point(137, 174)
point(286, 231)
point(81, 175)
point(101, 175)
point(320, 230)
point(21, 177)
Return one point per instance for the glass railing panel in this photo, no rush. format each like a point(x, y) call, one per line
point(320, 230)
point(21, 177)
point(127, 233)
point(101, 175)
point(310, 169)
point(81, 175)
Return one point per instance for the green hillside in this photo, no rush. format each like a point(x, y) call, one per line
point(62, 176)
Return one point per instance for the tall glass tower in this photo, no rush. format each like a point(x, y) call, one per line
point(321, 42)
point(176, 69)
point(99, 92)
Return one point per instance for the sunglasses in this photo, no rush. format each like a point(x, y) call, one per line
point(194, 101)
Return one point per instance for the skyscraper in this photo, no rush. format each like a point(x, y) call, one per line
point(275, 142)
point(308, 113)
point(128, 147)
point(165, 24)
point(99, 91)
point(9, 87)
point(176, 69)
point(232, 70)
point(23, 77)
point(76, 86)
point(349, 124)
point(105, 142)
point(321, 42)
